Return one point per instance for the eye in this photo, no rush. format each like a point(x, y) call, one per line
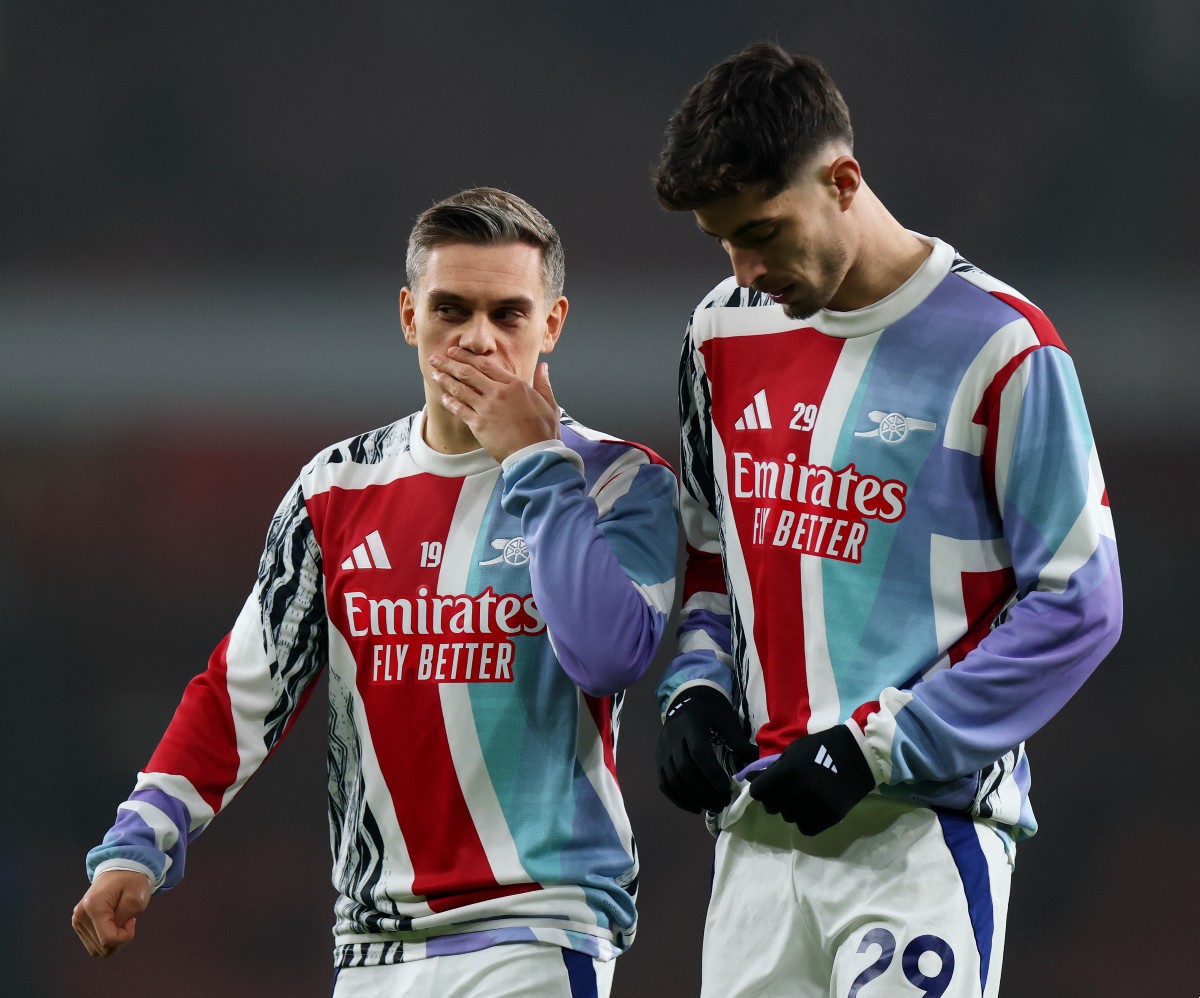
point(755, 239)
point(508, 316)
point(448, 311)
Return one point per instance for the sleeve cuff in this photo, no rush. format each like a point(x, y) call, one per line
point(689, 685)
point(866, 750)
point(555, 446)
point(125, 864)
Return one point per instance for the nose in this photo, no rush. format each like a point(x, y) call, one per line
point(748, 266)
point(477, 335)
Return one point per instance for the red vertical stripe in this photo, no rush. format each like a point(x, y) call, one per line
point(405, 720)
point(738, 368)
point(988, 413)
point(201, 743)
point(985, 594)
point(988, 416)
point(704, 573)
point(601, 710)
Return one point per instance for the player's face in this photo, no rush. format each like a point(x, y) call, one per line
point(792, 247)
point(488, 300)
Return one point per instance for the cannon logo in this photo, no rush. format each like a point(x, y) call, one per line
point(894, 426)
point(513, 551)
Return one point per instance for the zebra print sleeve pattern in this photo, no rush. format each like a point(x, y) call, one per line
point(707, 624)
point(232, 715)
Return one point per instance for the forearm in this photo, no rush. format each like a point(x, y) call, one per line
point(703, 652)
point(1017, 678)
point(231, 715)
point(1059, 533)
point(704, 638)
point(603, 578)
point(152, 830)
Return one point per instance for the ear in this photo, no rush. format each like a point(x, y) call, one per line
point(408, 313)
point(846, 177)
point(554, 323)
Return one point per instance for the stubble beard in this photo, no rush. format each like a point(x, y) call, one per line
point(833, 272)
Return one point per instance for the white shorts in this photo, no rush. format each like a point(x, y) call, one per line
point(894, 900)
point(507, 971)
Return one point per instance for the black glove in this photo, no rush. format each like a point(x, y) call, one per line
point(701, 734)
point(816, 781)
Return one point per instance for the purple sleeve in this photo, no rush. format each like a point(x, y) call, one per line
point(602, 561)
point(152, 831)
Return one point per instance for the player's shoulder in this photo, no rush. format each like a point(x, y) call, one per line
point(372, 447)
point(1001, 305)
point(598, 447)
point(977, 282)
point(732, 310)
point(729, 294)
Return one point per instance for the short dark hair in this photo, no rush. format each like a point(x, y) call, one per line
point(486, 216)
point(755, 118)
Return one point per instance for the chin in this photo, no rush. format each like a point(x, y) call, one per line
point(800, 309)
point(810, 304)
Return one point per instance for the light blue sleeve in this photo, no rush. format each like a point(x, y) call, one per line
point(1068, 611)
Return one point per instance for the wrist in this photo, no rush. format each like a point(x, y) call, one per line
point(864, 747)
point(124, 866)
point(843, 751)
point(693, 689)
point(550, 444)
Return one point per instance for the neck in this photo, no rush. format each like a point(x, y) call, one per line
point(445, 432)
point(887, 255)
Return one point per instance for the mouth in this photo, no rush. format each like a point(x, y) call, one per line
point(780, 296)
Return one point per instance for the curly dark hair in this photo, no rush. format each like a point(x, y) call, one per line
point(755, 118)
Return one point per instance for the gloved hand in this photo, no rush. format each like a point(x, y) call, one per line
point(700, 730)
point(815, 781)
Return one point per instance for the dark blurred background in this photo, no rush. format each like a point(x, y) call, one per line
point(203, 213)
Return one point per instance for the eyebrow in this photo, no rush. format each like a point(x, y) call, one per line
point(439, 296)
point(741, 230)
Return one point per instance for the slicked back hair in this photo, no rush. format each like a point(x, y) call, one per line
point(756, 118)
point(486, 216)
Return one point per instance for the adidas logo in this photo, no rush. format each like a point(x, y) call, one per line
point(756, 415)
point(369, 554)
point(825, 759)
